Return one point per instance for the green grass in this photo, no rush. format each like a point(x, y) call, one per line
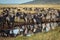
point(51, 35)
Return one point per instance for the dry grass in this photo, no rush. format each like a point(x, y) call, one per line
point(30, 5)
